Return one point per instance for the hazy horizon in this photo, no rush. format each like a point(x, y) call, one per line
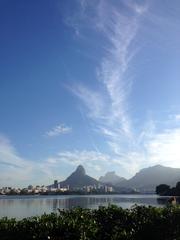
point(84, 82)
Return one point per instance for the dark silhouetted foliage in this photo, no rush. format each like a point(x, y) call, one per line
point(106, 223)
point(165, 190)
point(162, 189)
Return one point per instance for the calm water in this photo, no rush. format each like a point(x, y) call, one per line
point(26, 206)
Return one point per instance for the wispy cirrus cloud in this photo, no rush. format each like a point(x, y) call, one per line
point(108, 105)
point(58, 130)
point(110, 100)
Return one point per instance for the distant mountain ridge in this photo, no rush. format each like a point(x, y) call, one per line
point(148, 178)
point(79, 179)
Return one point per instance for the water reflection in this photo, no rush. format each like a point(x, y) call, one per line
point(164, 200)
point(25, 206)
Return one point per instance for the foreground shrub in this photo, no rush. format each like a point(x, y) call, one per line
point(106, 223)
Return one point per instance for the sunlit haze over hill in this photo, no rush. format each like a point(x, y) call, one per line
point(90, 82)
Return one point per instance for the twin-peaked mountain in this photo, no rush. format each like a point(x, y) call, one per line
point(79, 179)
point(145, 180)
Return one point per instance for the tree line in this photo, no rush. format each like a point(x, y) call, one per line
point(166, 190)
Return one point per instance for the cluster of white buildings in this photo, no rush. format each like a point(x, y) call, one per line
point(30, 189)
point(55, 188)
point(36, 190)
point(89, 188)
point(7, 190)
point(99, 188)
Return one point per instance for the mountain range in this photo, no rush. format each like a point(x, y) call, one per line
point(148, 178)
point(145, 180)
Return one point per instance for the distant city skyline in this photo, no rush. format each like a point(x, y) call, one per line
point(88, 82)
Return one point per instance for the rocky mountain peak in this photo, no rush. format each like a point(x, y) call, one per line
point(80, 170)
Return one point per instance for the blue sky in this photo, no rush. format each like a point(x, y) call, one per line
point(88, 82)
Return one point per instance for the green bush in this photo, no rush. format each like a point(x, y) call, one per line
point(105, 223)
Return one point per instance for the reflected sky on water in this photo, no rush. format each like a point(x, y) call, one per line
point(26, 206)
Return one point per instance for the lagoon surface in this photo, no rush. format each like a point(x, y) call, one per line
point(26, 206)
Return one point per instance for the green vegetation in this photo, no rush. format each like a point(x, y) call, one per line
point(106, 223)
point(165, 190)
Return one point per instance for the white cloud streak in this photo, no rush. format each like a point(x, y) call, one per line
point(58, 130)
point(108, 104)
point(110, 101)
